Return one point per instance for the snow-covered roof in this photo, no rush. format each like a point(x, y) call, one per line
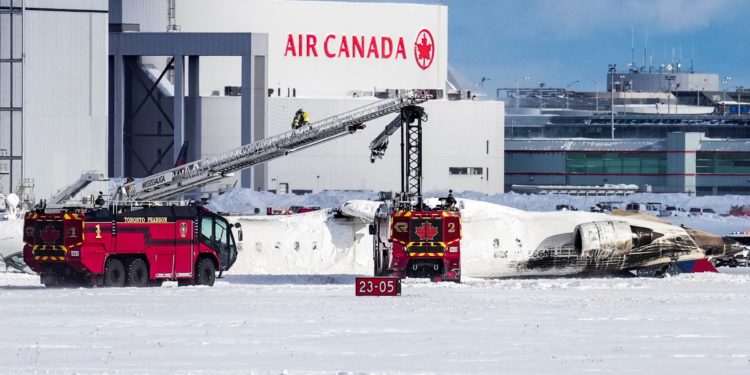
point(725, 145)
point(583, 144)
point(647, 145)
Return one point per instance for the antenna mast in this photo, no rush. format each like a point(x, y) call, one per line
point(171, 16)
point(645, 48)
point(632, 49)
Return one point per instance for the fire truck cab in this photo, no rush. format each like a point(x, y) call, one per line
point(132, 246)
point(411, 239)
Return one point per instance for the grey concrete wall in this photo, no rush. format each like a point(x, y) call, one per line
point(455, 135)
point(682, 148)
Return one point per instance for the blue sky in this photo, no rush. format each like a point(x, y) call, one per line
point(561, 41)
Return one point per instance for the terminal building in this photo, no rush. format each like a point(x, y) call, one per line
point(121, 85)
point(662, 131)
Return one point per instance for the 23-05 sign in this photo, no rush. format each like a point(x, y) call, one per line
point(377, 286)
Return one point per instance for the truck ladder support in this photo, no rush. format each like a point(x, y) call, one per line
point(412, 117)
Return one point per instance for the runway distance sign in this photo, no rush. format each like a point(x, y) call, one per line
point(377, 286)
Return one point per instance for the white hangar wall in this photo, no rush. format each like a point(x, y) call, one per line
point(458, 134)
point(318, 48)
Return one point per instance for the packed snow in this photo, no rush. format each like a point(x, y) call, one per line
point(314, 324)
point(271, 315)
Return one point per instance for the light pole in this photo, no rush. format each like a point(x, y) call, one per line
point(612, 70)
point(739, 99)
point(724, 93)
point(541, 96)
point(669, 79)
point(723, 98)
point(567, 94)
point(596, 88)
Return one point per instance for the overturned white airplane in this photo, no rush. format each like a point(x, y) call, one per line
point(11, 245)
point(498, 241)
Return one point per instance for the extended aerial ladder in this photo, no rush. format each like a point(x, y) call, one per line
point(191, 176)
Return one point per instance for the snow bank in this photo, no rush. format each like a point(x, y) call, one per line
point(243, 201)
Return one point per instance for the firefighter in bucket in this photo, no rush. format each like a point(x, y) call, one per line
point(301, 118)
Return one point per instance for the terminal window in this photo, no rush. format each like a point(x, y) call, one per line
point(465, 171)
point(722, 162)
point(615, 163)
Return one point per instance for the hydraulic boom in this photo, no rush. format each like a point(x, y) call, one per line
point(202, 172)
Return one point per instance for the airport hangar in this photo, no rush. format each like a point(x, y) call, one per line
point(79, 91)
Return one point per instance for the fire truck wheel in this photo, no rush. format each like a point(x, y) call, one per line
point(137, 273)
point(49, 280)
point(379, 261)
point(205, 272)
point(114, 273)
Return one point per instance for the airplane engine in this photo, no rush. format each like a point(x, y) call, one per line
point(604, 239)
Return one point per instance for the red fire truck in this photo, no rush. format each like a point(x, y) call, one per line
point(411, 239)
point(135, 246)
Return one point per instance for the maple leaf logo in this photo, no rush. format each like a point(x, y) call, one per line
point(426, 232)
point(50, 234)
point(424, 51)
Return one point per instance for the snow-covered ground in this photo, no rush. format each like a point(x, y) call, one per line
point(258, 321)
point(695, 323)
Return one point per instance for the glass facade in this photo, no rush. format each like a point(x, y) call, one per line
point(615, 163)
point(722, 162)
